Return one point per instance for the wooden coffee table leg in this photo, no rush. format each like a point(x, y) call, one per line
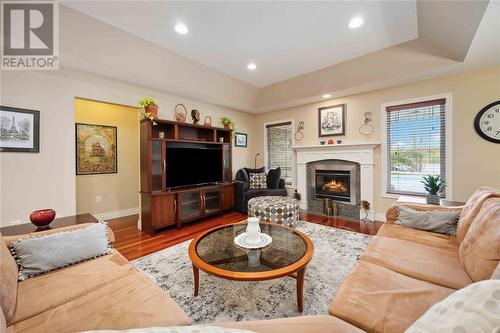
point(196, 273)
point(300, 289)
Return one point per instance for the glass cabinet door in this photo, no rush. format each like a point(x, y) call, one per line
point(212, 200)
point(228, 172)
point(156, 166)
point(189, 204)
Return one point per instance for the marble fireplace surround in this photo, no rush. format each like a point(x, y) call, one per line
point(361, 153)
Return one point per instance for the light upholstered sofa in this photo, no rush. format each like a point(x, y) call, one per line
point(109, 293)
point(404, 271)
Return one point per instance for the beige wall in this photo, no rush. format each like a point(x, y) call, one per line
point(476, 162)
point(47, 179)
point(118, 191)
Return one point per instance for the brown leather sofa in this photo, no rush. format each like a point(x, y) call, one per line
point(404, 271)
point(106, 292)
point(109, 293)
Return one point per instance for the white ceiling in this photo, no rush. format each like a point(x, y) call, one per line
point(284, 39)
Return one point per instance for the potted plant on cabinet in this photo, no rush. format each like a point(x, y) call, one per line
point(149, 106)
point(227, 122)
point(434, 186)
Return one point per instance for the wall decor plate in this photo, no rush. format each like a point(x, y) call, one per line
point(242, 241)
point(19, 130)
point(96, 149)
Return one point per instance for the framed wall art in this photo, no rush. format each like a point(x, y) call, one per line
point(96, 149)
point(19, 130)
point(331, 120)
point(240, 139)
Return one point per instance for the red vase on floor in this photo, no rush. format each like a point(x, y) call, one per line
point(42, 218)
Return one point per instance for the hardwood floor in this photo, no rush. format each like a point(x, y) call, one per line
point(134, 243)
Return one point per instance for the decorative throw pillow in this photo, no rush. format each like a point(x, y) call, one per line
point(258, 181)
point(475, 308)
point(273, 178)
point(39, 255)
point(259, 170)
point(176, 329)
point(444, 222)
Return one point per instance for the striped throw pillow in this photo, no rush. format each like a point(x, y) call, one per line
point(39, 255)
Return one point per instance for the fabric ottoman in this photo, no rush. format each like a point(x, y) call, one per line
point(279, 210)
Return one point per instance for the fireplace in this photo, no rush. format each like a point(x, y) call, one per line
point(333, 184)
point(334, 179)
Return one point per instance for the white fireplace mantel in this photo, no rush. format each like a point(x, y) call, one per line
point(361, 153)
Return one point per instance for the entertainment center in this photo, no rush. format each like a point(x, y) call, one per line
point(186, 173)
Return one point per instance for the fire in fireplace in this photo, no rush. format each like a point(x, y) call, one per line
point(333, 184)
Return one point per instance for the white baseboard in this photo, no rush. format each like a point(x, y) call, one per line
point(380, 217)
point(117, 213)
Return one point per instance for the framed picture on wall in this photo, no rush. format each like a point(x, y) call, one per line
point(240, 139)
point(96, 149)
point(19, 130)
point(331, 120)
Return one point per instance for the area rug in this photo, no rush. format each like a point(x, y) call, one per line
point(335, 253)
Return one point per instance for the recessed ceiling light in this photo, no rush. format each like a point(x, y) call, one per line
point(356, 22)
point(181, 29)
point(327, 96)
point(251, 66)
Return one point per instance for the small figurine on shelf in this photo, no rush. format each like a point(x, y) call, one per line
point(195, 115)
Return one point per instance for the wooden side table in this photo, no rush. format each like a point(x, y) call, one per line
point(421, 200)
point(59, 222)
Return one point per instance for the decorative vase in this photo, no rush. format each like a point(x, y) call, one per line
point(432, 199)
point(153, 109)
point(253, 258)
point(253, 229)
point(226, 125)
point(42, 218)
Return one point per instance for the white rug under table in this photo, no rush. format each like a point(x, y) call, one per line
point(335, 253)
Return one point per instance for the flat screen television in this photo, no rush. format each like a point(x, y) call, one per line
point(193, 164)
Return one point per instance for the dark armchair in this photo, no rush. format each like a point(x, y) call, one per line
point(275, 184)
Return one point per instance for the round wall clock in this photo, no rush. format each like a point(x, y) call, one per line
point(487, 122)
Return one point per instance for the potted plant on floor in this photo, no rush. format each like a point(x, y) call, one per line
point(149, 106)
point(434, 186)
point(227, 122)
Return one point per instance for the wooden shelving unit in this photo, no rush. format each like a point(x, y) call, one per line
point(161, 206)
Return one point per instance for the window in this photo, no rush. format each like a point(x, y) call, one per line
point(279, 148)
point(415, 145)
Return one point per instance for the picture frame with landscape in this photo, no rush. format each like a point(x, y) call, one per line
point(19, 130)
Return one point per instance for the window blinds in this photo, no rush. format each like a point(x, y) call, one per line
point(415, 145)
point(279, 148)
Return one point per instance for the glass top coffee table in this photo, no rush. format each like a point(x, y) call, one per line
point(215, 253)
